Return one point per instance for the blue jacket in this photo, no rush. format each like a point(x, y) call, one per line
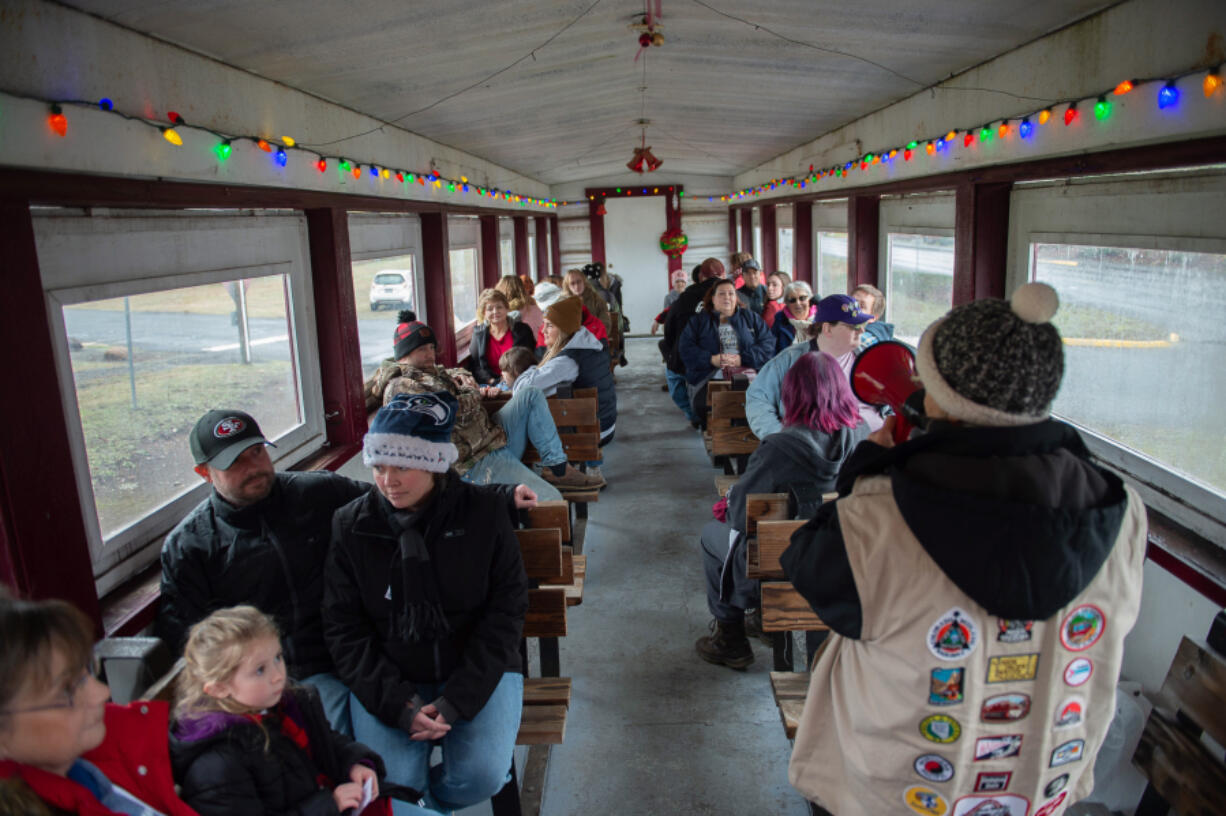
point(700, 342)
point(783, 330)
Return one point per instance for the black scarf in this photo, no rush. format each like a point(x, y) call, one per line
point(419, 615)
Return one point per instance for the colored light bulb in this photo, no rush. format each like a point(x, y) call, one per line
point(930, 148)
point(1025, 129)
point(106, 104)
point(281, 157)
point(357, 171)
point(345, 165)
point(968, 139)
point(222, 150)
point(985, 134)
point(1044, 115)
point(463, 179)
point(264, 145)
point(1003, 130)
point(374, 171)
point(57, 121)
point(619, 190)
point(1102, 108)
point(1168, 96)
point(451, 187)
point(171, 135)
point(906, 154)
point(288, 141)
point(1211, 83)
point(400, 177)
point(875, 160)
point(322, 165)
point(1070, 114)
point(386, 173)
point(1123, 88)
point(912, 145)
point(174, 117)
point(847, 167)
point(893, 153)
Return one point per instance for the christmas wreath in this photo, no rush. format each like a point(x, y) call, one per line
point(673, 243)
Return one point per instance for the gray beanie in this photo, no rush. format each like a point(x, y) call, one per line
point(995, 362)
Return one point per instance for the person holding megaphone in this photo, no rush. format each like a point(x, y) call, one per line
point(978, 579)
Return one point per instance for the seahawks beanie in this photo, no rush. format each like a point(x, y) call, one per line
point(413, 431)
point(995, 362)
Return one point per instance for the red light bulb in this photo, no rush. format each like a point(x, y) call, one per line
point(1070, 114)
point(263, 145)
point(57, 121)
point(322, 164)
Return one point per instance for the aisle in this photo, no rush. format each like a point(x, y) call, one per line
point(652, 728)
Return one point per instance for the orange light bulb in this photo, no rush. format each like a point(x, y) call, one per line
point(1123, 88)
point(1044, 115)
point(1212, 82)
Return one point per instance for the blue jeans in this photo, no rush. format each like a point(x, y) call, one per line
point(477, 753)
point(525, 418)
point(335, 697)
point(676, 390)
point(501, 467)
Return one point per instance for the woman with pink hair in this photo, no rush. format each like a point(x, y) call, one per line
point(821, 426)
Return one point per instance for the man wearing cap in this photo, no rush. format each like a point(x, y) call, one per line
point(752, 292)
point(489, 449)
point(837, 327)
point(260, 538)
point(979, 580)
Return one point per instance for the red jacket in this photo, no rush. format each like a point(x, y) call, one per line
point(134, 755)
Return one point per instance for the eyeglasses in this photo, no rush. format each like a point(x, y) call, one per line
point(801, 299)
point(69, 693)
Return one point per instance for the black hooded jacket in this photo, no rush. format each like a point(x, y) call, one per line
point(1018, 518)
point(679, 315)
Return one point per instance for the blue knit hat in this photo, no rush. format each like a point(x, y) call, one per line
point(413, 431)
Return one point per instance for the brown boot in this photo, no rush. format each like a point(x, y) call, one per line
point(726, 645)
point(572, 479)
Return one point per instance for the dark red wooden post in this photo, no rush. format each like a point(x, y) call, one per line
point(672, 220)
point(490, 262)
point(746, 230)
point(435, 251)
point(42, 528)
point(732, 242)
point(981, 238)
point(336, 324)
point(802, 242)
point(542, 248)
point(770, 239)
point(596, 225)
point(863, 223)
point(520, 223)
point(555, 249)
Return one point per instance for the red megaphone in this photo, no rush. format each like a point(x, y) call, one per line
point(884, 374)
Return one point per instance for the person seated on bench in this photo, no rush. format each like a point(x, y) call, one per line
point(574, 357)
point(523, 305)
point(791, 323)
point(872, 300)
point(496, 332)
point(578, 285)
point(259, 538)
point(979, 580)
point(424, 608)
point(515, 361)
point(724, 335)
point(836, 329)
point(822, 425)
point(489, 449)
point(63, 749)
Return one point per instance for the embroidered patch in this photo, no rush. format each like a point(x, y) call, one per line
point(953, 636)
point(1011, 668)
point(940, 728)
point(1083, 627)
point(1071, 751)
point(925, 801)
point(998, 747)
point(1069, 714)
point(992, 781)
point(996, 804)
point(945, 686)
point(1050, 807)
point(934, 768)
point(1077, 672)
point(1013, 631)
point(228, 427)
point(1005, 707)
point(1055, 786)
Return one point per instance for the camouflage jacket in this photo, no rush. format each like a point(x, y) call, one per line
point(475, 433)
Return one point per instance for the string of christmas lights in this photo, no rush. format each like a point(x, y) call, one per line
point(279, 148)
point(1024, 125)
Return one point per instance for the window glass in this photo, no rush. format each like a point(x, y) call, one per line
point(145, 365)
point(757, 241)
point(506, 256)
point(532, 257)
point(785, 251)
point(382, 287)
point(1142, 329)
point(831, 263)
point(464, 285)
point(920, 282)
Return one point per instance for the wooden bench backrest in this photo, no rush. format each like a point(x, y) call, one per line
point(551, 515)
point(773, 538)
point(764, 507)
point(785, 610)
point(1178, 765)
point(730, 436)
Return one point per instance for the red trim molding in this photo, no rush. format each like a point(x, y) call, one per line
point(802, 242)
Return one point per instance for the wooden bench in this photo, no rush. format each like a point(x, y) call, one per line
point(730, 441)
point(1184, 774)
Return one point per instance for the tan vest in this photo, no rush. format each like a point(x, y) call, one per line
point(941, 708)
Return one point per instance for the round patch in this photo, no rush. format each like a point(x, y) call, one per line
point(953, 636)
point(1055, 786)
point(925, 801)
point(1082, 628)
point(228, 427)
point(934, 768)
point(1070, 713)
point(940, 728)
point(1078, 671)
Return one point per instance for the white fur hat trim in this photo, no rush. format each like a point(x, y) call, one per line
point(401, 450)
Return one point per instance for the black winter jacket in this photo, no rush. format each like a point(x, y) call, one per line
point(269, 555)
point(223, 768)
point(479, 346)
point(679, 315)
point(475, 565)
point(594, 372)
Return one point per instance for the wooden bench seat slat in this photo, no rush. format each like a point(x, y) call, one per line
point(551, 514)
point(789, 685)
point(773, 538)
point(578, 447)
point(790, 712)
point(784, 610)
point(542, 725)
point(574, 412)
point(541, 551)
point(547, 691)
point(1196, 683)
point(546, 616)
point(1180, 767)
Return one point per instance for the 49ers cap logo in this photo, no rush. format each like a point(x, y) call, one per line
point(228, 427)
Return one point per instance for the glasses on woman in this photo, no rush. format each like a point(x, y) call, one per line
point(800, 299)
point(67, 697)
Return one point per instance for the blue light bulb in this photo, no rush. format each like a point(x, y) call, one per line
point(1026, 129)
point(1168, 96)
point(281, 157)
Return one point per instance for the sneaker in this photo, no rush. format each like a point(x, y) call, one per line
point(753, 626)
point(726, 646)
point(573, 479)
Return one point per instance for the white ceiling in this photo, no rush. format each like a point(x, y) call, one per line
point(722, 96)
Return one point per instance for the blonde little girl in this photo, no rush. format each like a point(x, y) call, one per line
point(245, 740)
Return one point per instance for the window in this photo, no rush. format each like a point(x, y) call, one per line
point(464, 285)
point(757, 240)
point(785, 251)
point(920, 280)
point(382, 288)
point(506, 255)
point(831, 263)
point(149, 338)
point(532, 257)
point(1141, 328)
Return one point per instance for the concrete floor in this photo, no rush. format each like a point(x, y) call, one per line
point(652, 728)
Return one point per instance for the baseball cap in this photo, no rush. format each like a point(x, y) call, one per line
point(751, 264)
point(221, 435)
point(840, 309)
